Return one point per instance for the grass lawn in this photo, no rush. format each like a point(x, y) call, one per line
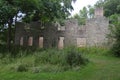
point(101, 67)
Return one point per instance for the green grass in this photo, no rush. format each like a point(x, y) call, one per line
point(100, 67)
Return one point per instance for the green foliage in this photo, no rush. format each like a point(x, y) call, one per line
point(115, 34)
point(95, 50)
point(73, 58)
point(116, 49)
point(60, 60)
point(81, 21)
point(47, 11)
point(111, 7)
point(7, 11)
point(22, 68)
point(17, 51)
point(42, 57)
point(6, 59)
point(91, 11)
point(84, 14)
point(113, 19)
point(100, 3)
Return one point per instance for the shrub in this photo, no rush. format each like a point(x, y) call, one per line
point(116, 49)
point(74, 58)
point(22, 68)
point(115, 35)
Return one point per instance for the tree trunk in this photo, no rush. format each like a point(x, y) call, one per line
point(9, 34)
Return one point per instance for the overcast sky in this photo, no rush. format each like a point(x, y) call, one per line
point(79, 4)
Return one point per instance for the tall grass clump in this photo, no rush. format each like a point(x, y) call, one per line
point(14, 50)
point(98, 50)
point(6, 59)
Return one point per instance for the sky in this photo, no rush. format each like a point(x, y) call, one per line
point(79, 4)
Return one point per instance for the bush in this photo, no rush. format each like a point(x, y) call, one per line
point(116, 49)
point(74, 57)
point(22, 68)
point(115, 35)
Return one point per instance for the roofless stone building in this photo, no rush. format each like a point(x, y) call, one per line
point(71, 34)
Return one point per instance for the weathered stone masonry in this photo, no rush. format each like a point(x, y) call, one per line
point(52, 35)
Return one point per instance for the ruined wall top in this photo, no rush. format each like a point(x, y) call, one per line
point(99, 12)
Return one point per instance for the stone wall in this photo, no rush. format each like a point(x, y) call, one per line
point(34, 34)
point(96, 31)
point(52, 35)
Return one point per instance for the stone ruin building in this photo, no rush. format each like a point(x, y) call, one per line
point(71, 34)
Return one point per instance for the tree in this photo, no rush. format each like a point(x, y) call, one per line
point(84, 14)
point(47, 10)
point(100, 3)
point(91, 11)
point(7, 12)
point(112, 7)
